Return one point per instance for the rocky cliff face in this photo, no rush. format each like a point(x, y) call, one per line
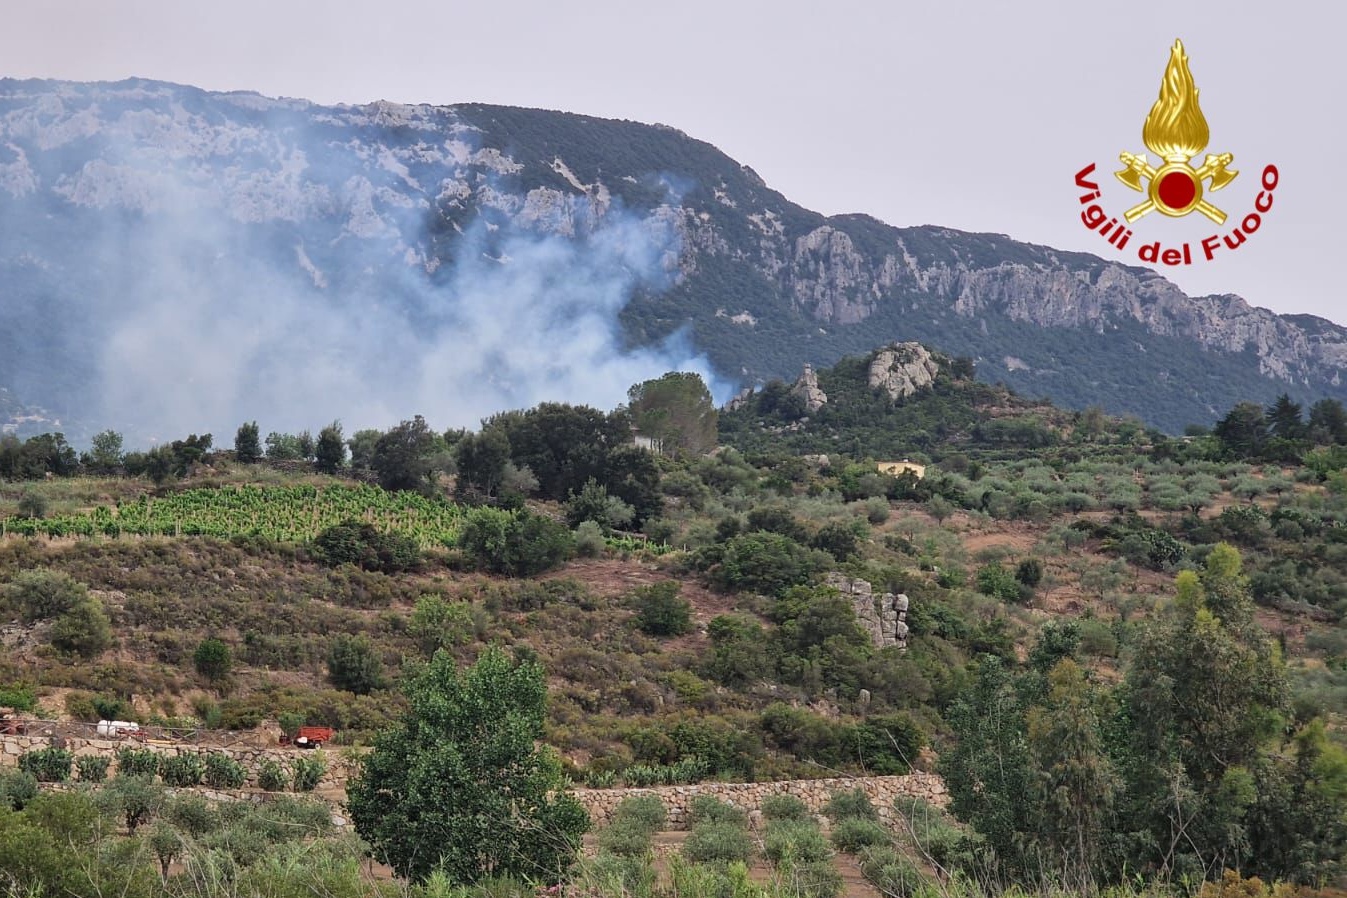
point(354, 202)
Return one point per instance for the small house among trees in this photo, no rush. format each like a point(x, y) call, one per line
point(898, 468)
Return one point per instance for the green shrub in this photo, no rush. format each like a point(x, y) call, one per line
point(854, 803)
point(43, 595)
point(353, 664)
point(192, 814)
point(625, 838)
point(609, 875)
point(660, 611)
point(645, 811)
point(308, 771)
point(851, 834)
point(937, 835)
point(800, 841)
point(111, 707)
point(718, 842)
point(1029, 572)
point(83, 630)
point(891, 873)
point(588, 540)
point(47, 765)
point(17, 788)
point(999, 583)
point(785, 807)
point(876, 509)
point(360, 544)
point(20, 698)
point(212, 659)
point(137, 761)
point(1097, 638)
point(813, 879)
point(92, 768)
point(271, 776)
point(182, 770)
point(515, 543)
point(223, 772)
point(709, 809)
point(768, 563)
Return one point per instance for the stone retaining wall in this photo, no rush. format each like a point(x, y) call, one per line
point(814, 793)
point(339, 766)
point(600, 803)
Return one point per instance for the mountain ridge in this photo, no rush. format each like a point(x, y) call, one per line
point(333, 204)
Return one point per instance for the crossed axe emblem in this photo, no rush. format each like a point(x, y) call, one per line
point(1176, 187)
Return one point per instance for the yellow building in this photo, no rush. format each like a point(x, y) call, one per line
point(896, 468)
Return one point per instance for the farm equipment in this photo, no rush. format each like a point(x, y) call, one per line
point(11, 724)
point(309, 737)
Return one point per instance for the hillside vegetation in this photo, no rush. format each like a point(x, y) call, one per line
point(1091, 604)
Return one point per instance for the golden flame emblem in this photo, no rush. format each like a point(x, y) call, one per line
point(1176, 131)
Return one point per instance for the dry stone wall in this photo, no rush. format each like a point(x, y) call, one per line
point(749, 796)
point(600, 803)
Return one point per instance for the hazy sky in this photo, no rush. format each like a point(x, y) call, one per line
point(970, 115)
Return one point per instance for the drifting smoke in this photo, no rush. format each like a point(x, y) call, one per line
point(216, 338)
point(292, 301)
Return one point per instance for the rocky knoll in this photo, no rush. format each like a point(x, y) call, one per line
point(902, 369)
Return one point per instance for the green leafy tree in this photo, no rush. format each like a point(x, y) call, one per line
point(1284, 418)
point(248, 443)
point(677, 410)
point(990, 773)
point(481, 459)
point(1072, 775)
point(1201, 698)
point(461, 784)
point(213, 659)
point(330, 450)
point(105, 453)
point(136, 799)
point(285, 447)
point(361, 544)
point(1328, 422)
point(353, 664)
point(405, 458)
point(362, 444)
point(1243, 432)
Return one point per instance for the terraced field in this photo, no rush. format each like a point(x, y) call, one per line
point(283, 513)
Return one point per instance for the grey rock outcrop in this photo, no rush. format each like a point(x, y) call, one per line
point(740, 400)
point(807, 388)
point(883, 616)
point(902, 369)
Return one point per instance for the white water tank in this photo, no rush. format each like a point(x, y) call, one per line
point(116, 727)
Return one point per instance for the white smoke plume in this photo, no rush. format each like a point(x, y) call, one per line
point(205, 260)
